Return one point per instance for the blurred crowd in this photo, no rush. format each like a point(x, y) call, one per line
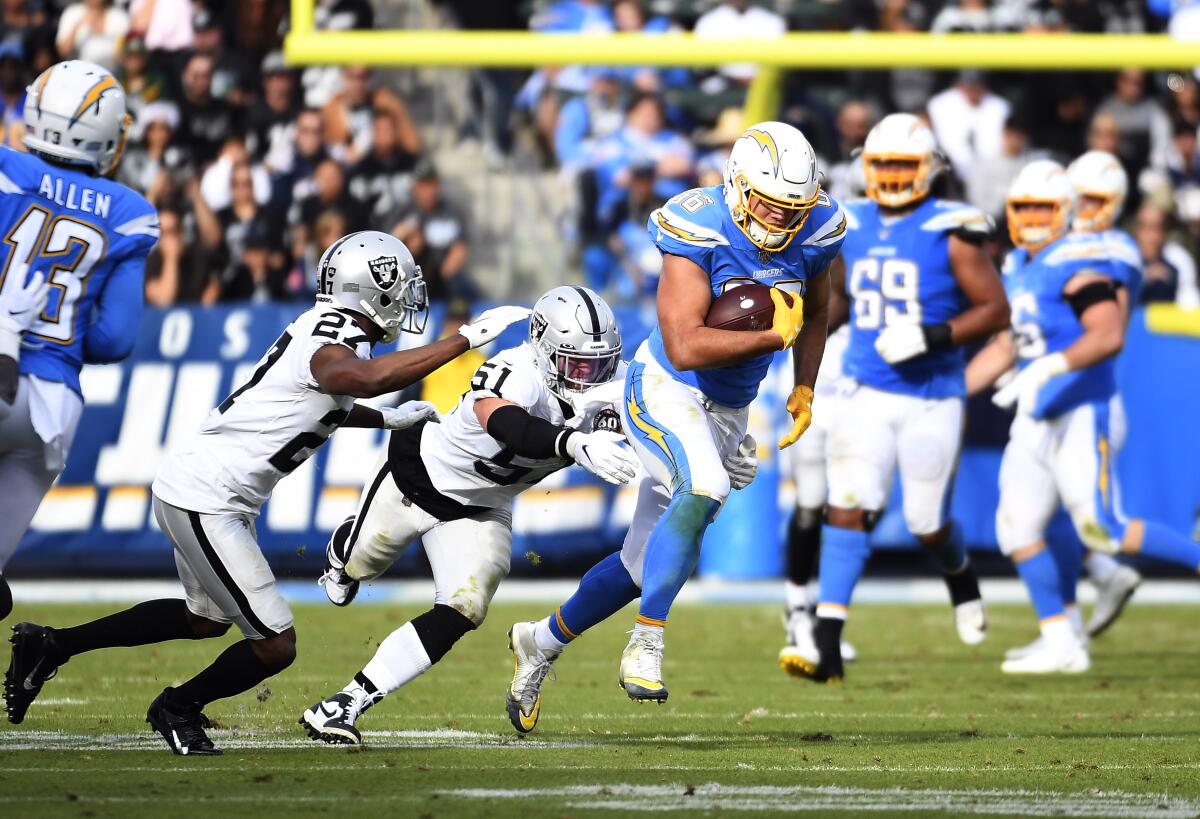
point(256, 167)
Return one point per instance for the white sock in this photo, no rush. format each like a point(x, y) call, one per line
point(1058, 632)
point(400, 659)
point(642, 628)
point(797, 596)
point(1101, 567)
point(1075, 618)
point(546, 642)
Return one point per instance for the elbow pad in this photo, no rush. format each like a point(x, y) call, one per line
point(528, 436)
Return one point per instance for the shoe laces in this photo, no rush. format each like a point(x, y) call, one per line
point(648, 655)
point(529, 679)
point(335, 576)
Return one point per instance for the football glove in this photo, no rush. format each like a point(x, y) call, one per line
point(409, 414)
point(1024, 388)
point(602, 454)
point(491, 323)
point(901, 342)
point(742, 465)
point(799, 406)
point(20, 307)
point(789, 316)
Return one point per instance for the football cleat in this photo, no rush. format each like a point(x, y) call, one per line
point(1066, 658)
point(340, 587)
point(1111, 597)
point(530, 667)
point(35, 659)
point(970, 618)
point(800, 656)
point(182, 728)
point(641, 667)
point(332, 720)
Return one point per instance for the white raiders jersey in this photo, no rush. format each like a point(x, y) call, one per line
point(267, 427)
point(455, 469)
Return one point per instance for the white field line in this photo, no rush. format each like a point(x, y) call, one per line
point(393, 592)
point(713, 796)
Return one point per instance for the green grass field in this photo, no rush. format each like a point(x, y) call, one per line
point(923, 724)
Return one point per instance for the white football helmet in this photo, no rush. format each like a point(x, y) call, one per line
point(373, 273)
point(575, 340)
point(75, 115)
point(773, 162)
point(900, 159)
point(1097, 175)
point(1042, 182)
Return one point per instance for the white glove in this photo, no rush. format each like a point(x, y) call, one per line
point(491, 323)
point(602, 454)
point(409, 414)
point(900, 342)
point(1023, 389)
point(21, 306)
point(742, 465)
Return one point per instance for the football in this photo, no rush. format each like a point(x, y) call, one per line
point(748, 307)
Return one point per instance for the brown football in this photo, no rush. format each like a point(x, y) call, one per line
point(748, 307)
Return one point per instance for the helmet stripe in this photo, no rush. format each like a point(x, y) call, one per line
point(768, 144)
point(42, 87)
point(92, 97)
point(596, 331)
point(324, 284)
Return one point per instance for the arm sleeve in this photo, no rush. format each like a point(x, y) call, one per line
point(527, 435)
point(114, 326)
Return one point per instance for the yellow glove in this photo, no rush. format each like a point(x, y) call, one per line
point(799, 406)
point(789, 315)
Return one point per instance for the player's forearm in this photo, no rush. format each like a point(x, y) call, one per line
point(1094, 346)
point(989, 364)
point(363, 417)
point(702, 348)
point(394, 371)
point(810, 348)
point(979, 321)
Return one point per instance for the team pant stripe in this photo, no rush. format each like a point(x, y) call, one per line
point(562, 625)
point(214, 560)
point(366, 506)
point(650, 621)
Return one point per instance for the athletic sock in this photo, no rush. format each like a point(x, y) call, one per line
point(1100, 567)
point(545, 637)
point(1068, 558)
point(603, 591)
point(364, 691)
point(1166, 544)
point(154, 621)
point(804, 543)
point(844, 555)
point(640, 626)
point(672, 551)
point(1058, 633)
point(951, 553)
point(237, 669)
point(6, 601)
point(400, 659)
point(1075, 618)
point(796, 596)
point(828, 636)
point(1040, 575)
point(963, 586)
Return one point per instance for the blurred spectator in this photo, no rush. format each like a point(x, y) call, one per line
point(968, 120)
point(349, 113)
point(1185, 99)
point(152, 154)
point(971, 16)
point(216, 183)
point(176, 272)
point(382, 181)
point(631, 16)
point(1145, 131)
point(256, 274)
point(909, 88)
point(320, 82)
point(329, 193)
point(232, 70)
point(91, 30)
point(269, 120)
point(205, 120)
point(436, 233)
point(1183, 159)
point(628, 240)
point(843, 172)
point(1104, 134)
point(586, 119)
point(573, 17)
point(229, 227)
point(141, 84)
point(12, 92)
point(987, 183)
point(257, 28)
point(1169, 270)
point(20, 17)
point(165, 25)
point(736, 19)
point(294, 176)
point(710, 167)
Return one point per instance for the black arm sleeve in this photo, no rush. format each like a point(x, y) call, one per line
point(9, 373)
point(1088, 295)
point(526, 435)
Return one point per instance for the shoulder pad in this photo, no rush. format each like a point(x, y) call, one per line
point(690, 228)
point(853, 209)
point(1123, 248)
point(133, 213)
point(959, 217)
point(7, 184)
point(828, 221)
point(1077, 250)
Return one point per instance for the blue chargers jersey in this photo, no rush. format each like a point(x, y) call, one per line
point(697, 225)
point(89, 236)
point(1126, 260)
point(898, 272)
point(1043, 321)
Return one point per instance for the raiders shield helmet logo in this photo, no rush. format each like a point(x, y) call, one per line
point(537, 327)
point(607, 420)
point(384, 270)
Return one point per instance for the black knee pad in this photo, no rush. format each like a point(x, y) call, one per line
point(440, 628)
point(6, 604)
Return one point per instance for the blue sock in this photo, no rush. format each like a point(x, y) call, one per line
point(1067, 553)
point(1040, 575)
point(672, 552)
point(952, 553)
point(1166, 544)
point(844, 555)
point(602, 592)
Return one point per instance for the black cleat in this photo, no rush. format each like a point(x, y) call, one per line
point(35, 659)
point(182, 728)
point(332, 721)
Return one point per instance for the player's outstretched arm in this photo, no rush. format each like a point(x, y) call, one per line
point(684, 296)
point(117, 315)
point(408, 414)
point(338, 371)
point(1093, 297)
point(993, 361)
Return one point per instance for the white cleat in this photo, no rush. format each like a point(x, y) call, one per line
point(970, 618)
point(1067, 658)
point(339, 587)
point(530, 667)
point(1111, 597)
point(332, 721)
point(1021, 652)
point(800, 657)
point(641, 667)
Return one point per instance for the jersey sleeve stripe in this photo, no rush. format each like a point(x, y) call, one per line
point(829, 232)
point(686, 231)
point(145, 225)
point(7, 185)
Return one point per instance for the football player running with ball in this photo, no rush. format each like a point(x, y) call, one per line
point(1067, 327)
point(531, 411)
point(689, 386)
point(209, 490)
point(920, 284)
